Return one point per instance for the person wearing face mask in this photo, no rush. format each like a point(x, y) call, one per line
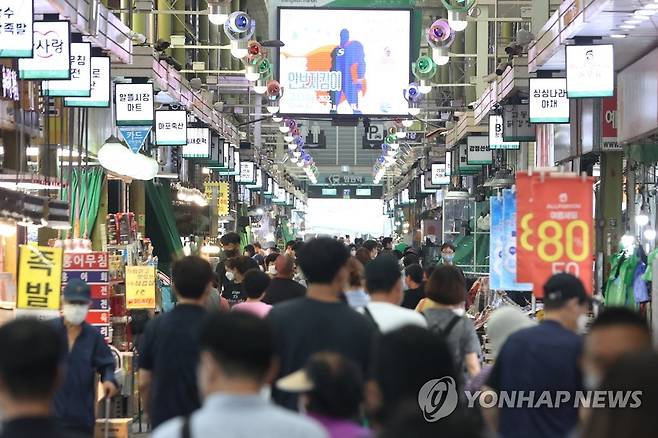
point(236, 362)
point(283, 287)
point(447, 253)
point(446, 289)
point(230, 249)
point(543, 358)
point(87, 355)
point(236, 268)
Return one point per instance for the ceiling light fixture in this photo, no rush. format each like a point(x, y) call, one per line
point(457, 20)
point(627, 26)
point(618, 35)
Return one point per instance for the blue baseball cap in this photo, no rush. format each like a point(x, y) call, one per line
point(77, 290)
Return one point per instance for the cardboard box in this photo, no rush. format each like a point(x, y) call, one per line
point(118, 428)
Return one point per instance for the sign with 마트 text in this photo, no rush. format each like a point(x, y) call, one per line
point(134, 104)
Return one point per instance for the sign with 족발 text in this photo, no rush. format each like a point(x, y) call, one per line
point(16, 28)
point(80, 83)
point(590, 70)
point(39, 278)
point(555, 233)
point(171, 128)
point(99, 96)
point(140, 287)
point(51, 56)
point(548, 100)
point(134, 104)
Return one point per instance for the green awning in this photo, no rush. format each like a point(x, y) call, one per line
point(161, 225)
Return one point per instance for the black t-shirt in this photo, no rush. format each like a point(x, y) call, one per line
point(305, 326)
point(412, 297)
point(170, 350)
point(541, 358)
point(283, 289)
point(36, 427)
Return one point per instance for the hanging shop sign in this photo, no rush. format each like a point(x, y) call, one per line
point(10, 88)
point(548, 100)
point(523, 210)
point(345, 179)
point(16, 28)
point(171, 128)
point(590, 71)
point(135, 136)
point(80, 83)
point(216, 144)
point(247, 173)
point(509, 266)
point(269, 191)
point(78, 265)
point(198, 143)
point(555, 230)
point(99, 93)
point(440, 174)
point(39, 278)
point(464, 167)
point(258, 185)
point(373, 136)
point(51, 57)
point(496, 141)
point(516, 124)
point(134, 104)
point(609, 124)
point(223, 199)
point(478, 151)
point(496, 243)
point(140, 287)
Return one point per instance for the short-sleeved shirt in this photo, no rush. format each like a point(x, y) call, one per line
point(305, 326)
point(170, 351)
point(283, 289)
point(541, 358)
point(257, 308)
point(461, 339)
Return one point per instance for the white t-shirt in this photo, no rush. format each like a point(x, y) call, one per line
point(390, 317)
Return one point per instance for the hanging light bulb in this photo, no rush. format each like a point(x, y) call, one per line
point(251, 73)
point(440, 55)
point(457, 20)
point(292, 146)
point(407, 123)
point(414, 109)
point(260, 87)
point(401, 133)
point(424, 87)
point(284, 128)
point(277, 118)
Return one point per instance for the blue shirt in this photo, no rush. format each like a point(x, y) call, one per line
point(541, 358)
point(75, 398)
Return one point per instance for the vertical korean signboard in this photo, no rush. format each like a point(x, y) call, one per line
point(93, 268)
point(51, 57)
point(223, 199)
point(140, 287)
point(80, 83)
point(39, 280)
point(16, 28)
point(134, 104)
point(496, 140)
point(554, 227)
point(99, 94)
point(171, 128)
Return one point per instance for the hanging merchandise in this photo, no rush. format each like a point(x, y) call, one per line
point(619, 287)
point(496, 243)
point(557, 234)
point(509, 267)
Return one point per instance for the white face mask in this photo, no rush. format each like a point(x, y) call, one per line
point(582, 323)
point(459, 311)
point(230, 276)
point(353, 252)
point(75, 314)
point(271, 270)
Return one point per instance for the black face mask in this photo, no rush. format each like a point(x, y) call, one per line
point(231, 252)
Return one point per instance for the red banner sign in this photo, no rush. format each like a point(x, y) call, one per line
point(555, 233)
point(86, 261)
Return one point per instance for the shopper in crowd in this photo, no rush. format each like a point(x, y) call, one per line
point(363, 255)
point(407, 421)
point(237, 361)
point(410, 259)
point(230, 243)
point(216, 302)
point(259, 255)
point(249, 251)
point(236, 268)
point(373, 247)
point(283, 287)
point(272, 248)
point(319, 321)
point(415, 286)
point(633, 377)
point(332, 393)
point(403, 361)
point(169, 354)
point(427, 273)
point(447, 253)
point(352, 248)
point(384, 285)
point(30, 370)
point(358, 242)
point(447, 291)
point(270, 266)
point(290, 248)
point(387, 244)
point(254, 285)
point(615, 332)
point(502, 322)
point(543, 358)
point(86, 356)
point(355, 293)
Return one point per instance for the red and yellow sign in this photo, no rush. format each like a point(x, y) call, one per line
point(39, 278)
point(554, 229)
point(140, 287)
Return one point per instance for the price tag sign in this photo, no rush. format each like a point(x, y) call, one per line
point(140, 287)
point(51, 58)
point(557, 234)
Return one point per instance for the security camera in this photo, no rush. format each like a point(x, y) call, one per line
point(218, 106)
point(196, 84)
point(502, 66)
point(161, 45)
point(514, 50)
point(239, 26)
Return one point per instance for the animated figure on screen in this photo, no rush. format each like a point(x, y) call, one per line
point(349, 59)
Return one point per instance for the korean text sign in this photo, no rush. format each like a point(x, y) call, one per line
point(590, 70)
point(198, 143)
point(100, 86)
point(548, 100)
point(140, 287)
point(557, 233)
point(16, 31)
point(39, 278)
point(80, 82)
point(171, 128)
point(51, 58)
point(134, 104)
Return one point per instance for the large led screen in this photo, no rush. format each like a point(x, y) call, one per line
point(344, 61)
